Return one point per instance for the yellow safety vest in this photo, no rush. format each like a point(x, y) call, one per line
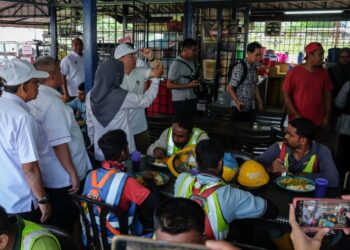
point(31, 232)
point(211, 204)
point(311, 166)
point(171, 147)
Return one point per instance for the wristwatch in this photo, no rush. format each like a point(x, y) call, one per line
point(44, 200)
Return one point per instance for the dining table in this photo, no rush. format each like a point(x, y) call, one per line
point(280, 197)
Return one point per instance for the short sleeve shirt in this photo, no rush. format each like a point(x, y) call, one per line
point(181, 74)
point(307, 90)
point(72, 66)
point(18, 145)
point(246, 90)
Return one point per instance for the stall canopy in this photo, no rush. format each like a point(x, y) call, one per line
point(35, 13)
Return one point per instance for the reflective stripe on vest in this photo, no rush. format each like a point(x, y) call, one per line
point(31, 232)
point(171, 147)
point(311, 166)
point(211, 206)
point(112, 197)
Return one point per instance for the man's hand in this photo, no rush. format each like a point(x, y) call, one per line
point(147, 53)
point(278, 166)
point(325, 122)
point(194, 84)
point(347, 198)
point(46, 211)
point(65, 97)
point(219, 245)
point(147, 175)
point(261, 106)
point(75, 184)
point(157, 69)
point(158, 153)
point(240, 106)
point(299, 239)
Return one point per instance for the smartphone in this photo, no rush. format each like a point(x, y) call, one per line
point(125, 242)
point(315, 213)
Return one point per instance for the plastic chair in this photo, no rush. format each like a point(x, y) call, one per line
point(94, 238)
point(272, 119)
point(65, 239)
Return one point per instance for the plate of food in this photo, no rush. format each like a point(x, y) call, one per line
point(159, 178)
point(160, 163)
point(296, 184)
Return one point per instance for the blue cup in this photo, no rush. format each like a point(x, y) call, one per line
point(321, 185)
point(136, 160)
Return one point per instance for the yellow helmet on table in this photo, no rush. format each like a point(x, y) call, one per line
point(252, 174)
point(183, 161)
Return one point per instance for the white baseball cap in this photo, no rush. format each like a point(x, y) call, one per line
point(18, 71)
point(122, 50)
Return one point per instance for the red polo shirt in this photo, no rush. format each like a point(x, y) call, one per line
point(307, 90)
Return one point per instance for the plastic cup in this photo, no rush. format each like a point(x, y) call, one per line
point(321, 187)
point(136, 160)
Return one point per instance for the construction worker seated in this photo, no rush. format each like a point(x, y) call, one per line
point(110, 184)
point(180, 135)
point(17, 233)
point(221, 202)
point(300, 154)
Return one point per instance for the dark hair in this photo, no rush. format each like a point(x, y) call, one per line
point(14, 88)
point(184, 122)
point(81, 86)
point(112, 144)
point(179, 215)
point(345, 49)
point(5, 223)
point(189, 43)
point(77, 40)
point(252, 46)
point(305, 128)
point(208, 154)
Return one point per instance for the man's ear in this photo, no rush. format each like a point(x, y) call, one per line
point(4, 239)
point(219, 167)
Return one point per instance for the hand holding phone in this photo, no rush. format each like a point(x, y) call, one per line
point(313, 214)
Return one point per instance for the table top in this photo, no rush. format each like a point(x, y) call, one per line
point(281, 198)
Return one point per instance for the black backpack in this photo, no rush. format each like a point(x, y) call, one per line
point(233, 64)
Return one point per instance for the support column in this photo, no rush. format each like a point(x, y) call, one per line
point(246, 29)
point(90, 42)
point(53, 29)
point(188, 20)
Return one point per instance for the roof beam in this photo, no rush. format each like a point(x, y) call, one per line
point(28, 2)
point(8, 7)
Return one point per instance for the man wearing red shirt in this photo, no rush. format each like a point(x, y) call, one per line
point(307, 88)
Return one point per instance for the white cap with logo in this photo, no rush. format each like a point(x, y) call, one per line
point(19, 71)
point(122, 50)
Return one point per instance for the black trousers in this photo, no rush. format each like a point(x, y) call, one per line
point(186, 108)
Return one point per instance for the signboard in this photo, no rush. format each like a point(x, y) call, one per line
point(27, 49)
point(273, 28)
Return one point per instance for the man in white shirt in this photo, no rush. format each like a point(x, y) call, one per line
point(66, 163)
point(72, 69)
point(134, 81)
point(21, 189)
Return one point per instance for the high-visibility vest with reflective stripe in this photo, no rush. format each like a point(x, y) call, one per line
point(311, 166)
point(171, 147)
point(32, 232)
point(212, 209)
point(109, 190)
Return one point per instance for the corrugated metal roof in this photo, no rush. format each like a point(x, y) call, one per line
point(36, 12)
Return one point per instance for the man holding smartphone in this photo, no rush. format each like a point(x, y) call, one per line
point(300, 154)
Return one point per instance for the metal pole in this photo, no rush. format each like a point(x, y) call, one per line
point(53, 29)
point(90, 42)
point(188, 20)
point(246, 28)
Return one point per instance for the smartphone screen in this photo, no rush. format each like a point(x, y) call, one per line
point(322, 213)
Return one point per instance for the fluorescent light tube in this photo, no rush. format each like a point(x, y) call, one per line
point(312, 12)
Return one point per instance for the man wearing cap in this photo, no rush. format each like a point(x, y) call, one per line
point(72, 69)
point(21, 189)
point(66, 162)
point(134, 81)
point(307, 88)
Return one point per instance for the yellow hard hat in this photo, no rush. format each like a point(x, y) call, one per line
point(229, 173)
point(183, 161)
point(252, 174)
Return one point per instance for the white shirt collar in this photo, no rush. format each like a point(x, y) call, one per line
point(75, 54)
point(49, 90)
point(16, 99)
